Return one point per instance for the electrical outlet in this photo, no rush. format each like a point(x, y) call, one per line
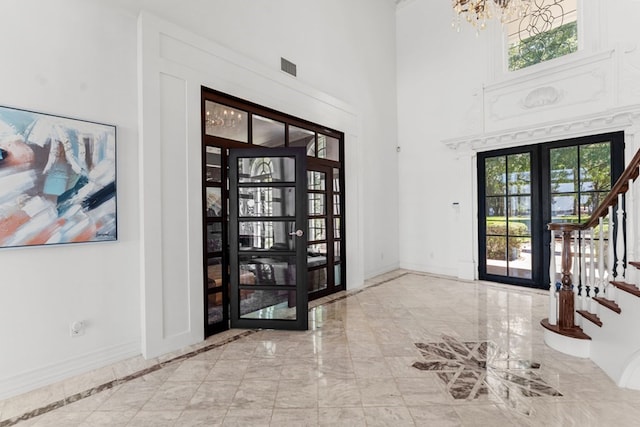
point(76, 329)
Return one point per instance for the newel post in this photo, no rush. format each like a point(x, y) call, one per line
point(566, 304)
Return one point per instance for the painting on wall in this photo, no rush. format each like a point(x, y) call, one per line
point(57, 180)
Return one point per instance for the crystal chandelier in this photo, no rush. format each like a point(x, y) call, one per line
point(478, 12)
point(222, 117)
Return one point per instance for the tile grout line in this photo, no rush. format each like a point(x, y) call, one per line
point(119, 381)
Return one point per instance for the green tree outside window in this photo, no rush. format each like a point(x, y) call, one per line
point(541, 47)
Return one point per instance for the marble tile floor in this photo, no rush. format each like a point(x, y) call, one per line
point(407, 350)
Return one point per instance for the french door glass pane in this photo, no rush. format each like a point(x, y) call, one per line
point(272, 235)
point(564, 166)
point(317, 204)
point(519, 173)
point(214, 308)
point(266, 201)
point(564, 208)
point(317, 229)
point(496, 175)
point(590, 201)
point(317, 254)
point(519, 256)
point(272, 271)
point(214, 202)
point(214, 164)
point(267, 304)
point(317, 279)
point(337, 274)
point(497, 255)
point(595, 165)
point(214, 237)
point(214, 273)
point(316, 180)
point(519, 215)
point(496, 208)
point(266, 169)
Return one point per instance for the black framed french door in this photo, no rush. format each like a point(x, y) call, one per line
point(522, 189)
point(510, 231)
point(268, 238)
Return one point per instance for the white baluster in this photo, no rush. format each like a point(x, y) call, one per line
point(602, 283)
point(578, 274)
point(593, 282)
point(611, 260)
point(620, 241)
point(553, 301)
point(630, 197)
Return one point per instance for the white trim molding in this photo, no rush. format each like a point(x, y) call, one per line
point(620, 119)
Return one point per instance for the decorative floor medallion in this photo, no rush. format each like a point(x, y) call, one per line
point(471, 368)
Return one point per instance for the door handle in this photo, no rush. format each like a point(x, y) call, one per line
point(298, 233)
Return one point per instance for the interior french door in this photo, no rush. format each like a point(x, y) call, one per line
point(268, 238)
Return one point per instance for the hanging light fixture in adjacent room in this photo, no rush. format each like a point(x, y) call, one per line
point(478, 12)
point(222, 116)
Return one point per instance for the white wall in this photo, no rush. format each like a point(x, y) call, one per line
point(77, 59)
point(451, 89)
point(439, 71)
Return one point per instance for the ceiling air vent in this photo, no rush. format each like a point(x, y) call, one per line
point(288, 67)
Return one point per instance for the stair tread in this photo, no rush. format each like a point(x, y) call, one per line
point(627, 287)
point(636, 264)
point(611, 305)
point(591, 317)
point(575, 332)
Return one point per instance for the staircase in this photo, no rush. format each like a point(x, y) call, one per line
point(594, 309)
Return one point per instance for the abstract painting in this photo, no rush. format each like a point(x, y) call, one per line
point(57, 180)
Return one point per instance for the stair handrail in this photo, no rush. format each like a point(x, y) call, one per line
point(621, 186)
point(564, 299)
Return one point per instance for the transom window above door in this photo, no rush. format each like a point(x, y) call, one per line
point(547, 30)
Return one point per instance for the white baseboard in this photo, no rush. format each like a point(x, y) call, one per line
point(431, 269)
point(49, 374)
point(381, 270)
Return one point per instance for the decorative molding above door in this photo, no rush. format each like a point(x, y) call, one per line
point(626, 119)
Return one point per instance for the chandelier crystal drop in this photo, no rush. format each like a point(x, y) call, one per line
point(478, 12)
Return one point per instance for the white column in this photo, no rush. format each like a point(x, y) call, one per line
point(553, 301)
